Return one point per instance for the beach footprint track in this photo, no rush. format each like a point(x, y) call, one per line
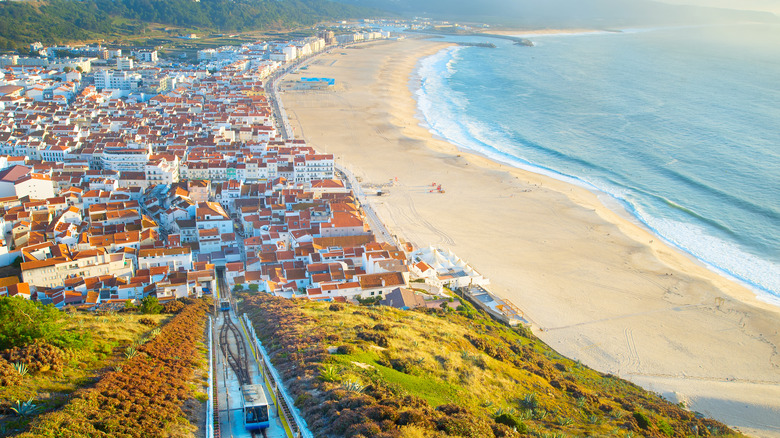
point(633, 355)
point(416, 217)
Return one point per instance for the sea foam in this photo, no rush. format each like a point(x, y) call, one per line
point(453, 109)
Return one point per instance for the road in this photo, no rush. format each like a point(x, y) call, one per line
point(283, 125)
point(380, 230)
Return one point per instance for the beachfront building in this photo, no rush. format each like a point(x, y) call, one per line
point(443, 268)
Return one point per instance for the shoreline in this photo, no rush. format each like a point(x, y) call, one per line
point(592, 281)
point(616, 205)
point(625, 209)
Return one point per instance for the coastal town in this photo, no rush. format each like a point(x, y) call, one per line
point(132, 180)
point(299, 228)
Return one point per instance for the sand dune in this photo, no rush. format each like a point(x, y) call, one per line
point(596, 285)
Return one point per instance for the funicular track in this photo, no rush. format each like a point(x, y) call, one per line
point(233, 347)
point(259, 433)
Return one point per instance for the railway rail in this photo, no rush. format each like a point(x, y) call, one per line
point(235, 351)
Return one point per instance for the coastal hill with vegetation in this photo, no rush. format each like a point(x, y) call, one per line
point(55, 21)
point(592, 14)
point(375, 371)
point(59, 21)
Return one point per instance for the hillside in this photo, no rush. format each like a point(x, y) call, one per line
point(97, 375)
point(567, 13)
point(379, 372)
point(69, 20)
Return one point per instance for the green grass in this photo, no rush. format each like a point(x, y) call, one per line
point(435, 391)
point(460, 357)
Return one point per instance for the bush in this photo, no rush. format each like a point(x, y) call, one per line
point(9, 376)
point(157, 381)
point(150, 306)
point(23, 321)
point(504, 431)
point(301, 400)
point(148, 321)
point(173, 307)
point(346, 349)
point(413, 417)
point(510, 421)
point(38, 356)
point(335, 307)
point(641, 420)
point(666, 428)
point(368, 429)
point(378, 339)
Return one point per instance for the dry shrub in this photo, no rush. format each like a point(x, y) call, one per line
point(413, 431)
point(148, 321)
point(416, 417)
point(335, 307)
point(492, 349)
point(346, 349)
point(504, 431)
point(39, 356)
point(8, 374)
point(378, 339)
point(158, 382)
point(173, 307)
point(368, 429)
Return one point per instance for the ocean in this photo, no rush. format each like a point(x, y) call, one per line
point(679, 125)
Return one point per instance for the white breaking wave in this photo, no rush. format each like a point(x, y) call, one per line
point(444, 112)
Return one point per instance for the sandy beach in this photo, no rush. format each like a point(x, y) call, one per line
point(596, 285)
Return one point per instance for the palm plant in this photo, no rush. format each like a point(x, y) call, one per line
point(353, 386)
point(25, 409)
point(329, 373)
point(20, 368)
point(130, 352)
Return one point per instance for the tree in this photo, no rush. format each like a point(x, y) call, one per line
point(150, 305)
point(23, 321)
point(67, 69)
point(79, 69)
point(254, 287)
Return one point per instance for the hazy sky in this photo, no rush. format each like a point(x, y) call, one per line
point(758, 5)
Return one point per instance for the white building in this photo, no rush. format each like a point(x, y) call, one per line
point(175, 258)
point(206, 54)
point(53, 271)
point(84, 63)
point(450, 270)
point(212, 215)
point(145, 55)
point(313, 167)
point(162, 171)
point(127, 159)
point(124, 63)
point(34, 185)
point(118, 80)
